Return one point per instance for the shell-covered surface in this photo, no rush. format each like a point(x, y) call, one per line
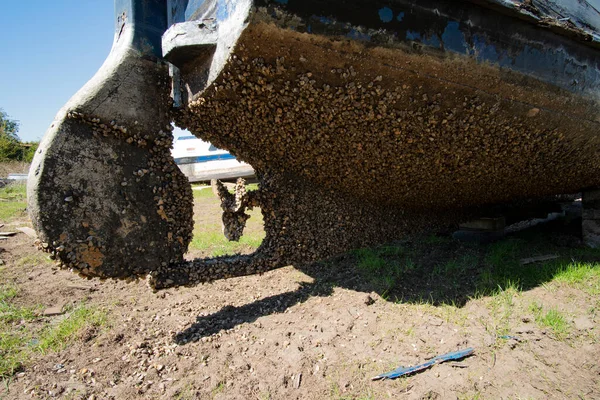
point(358, 144)
point(365, 123)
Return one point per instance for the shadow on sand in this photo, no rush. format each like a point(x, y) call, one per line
point(435, 270)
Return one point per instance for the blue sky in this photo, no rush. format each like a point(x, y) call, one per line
point(50, 49)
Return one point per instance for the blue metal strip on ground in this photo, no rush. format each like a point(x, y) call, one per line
point(401, 371)
point(202, 159)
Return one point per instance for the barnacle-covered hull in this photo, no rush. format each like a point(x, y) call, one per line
point(368, 121)
point(431, 115)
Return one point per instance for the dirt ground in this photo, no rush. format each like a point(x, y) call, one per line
point(320, 332)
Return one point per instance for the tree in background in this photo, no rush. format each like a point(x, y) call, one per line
point(11, 147)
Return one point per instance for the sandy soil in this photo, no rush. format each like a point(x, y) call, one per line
point(320, 332)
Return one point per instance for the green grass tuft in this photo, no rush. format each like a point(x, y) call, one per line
point(54, 338)
point(18, 344)
point(552, 319)
point(9, 312)
point(456, 266)
point(205, 192)
point(581, 275)
point(13, 355)
point(214, 243)
point(383, 265)
point(13, 201)
point(502, 308)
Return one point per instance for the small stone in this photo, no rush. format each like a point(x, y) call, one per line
point(53, 311)
point(28, 231)
point(297, 380)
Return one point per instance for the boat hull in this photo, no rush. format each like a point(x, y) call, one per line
point(206, 171)
point(362, 135)
point(365, 122)
point(425, 128)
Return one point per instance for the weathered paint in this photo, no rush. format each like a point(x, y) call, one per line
point(147, 19)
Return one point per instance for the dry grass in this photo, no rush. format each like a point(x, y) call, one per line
point(13, 201)
point(13, 167)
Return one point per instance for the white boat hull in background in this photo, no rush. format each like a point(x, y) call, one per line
point(200, 161)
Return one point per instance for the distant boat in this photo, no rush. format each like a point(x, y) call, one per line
point(17, 177)
point(201, 161)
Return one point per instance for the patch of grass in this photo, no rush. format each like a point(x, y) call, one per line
point(503, 268)
point(456, 266)
point(552, 319)
point(213, 242)
point(581, 275)
point(186, 393)
point(383, 265)
point(56, 337)
point(13, 201)
point(502, 308)
point(12, 352)
point(336, 393)
point(18, 344)
point(436, 239)
point(453, 314)
point(205, 192)
point(9, 312)
point(7, 292)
